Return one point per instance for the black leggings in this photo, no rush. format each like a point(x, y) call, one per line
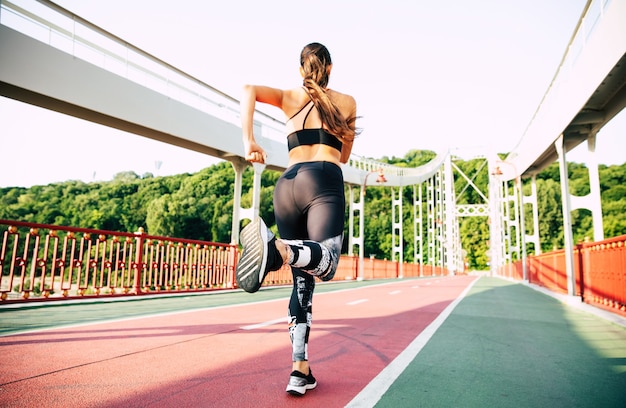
point(309, 205)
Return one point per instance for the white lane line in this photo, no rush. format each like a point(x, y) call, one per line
point(356, 302)
point(265, 324)
point(149, 315)
point(415, 287)
point(374, 391)
point(395, 292)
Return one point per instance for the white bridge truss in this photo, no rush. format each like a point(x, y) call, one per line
point(104, 79)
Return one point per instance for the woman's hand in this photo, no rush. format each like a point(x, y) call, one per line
point(255, 153)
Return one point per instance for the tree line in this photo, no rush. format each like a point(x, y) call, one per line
point(199, 205)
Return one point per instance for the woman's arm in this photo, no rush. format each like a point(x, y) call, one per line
point(251, 95)
point(346, 149)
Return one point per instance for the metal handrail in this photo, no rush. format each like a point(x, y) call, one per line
point(592, 13)
point(64, 30)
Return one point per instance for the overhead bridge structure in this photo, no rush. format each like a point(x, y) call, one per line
point(54, 59)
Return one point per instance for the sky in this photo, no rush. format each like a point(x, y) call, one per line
point(425, 74)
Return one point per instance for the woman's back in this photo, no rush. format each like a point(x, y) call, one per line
point(298, 107)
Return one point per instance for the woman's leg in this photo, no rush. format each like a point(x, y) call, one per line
point(317, 258)
point(309, 205)
point(300, 314)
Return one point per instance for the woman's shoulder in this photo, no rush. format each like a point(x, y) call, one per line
point(343, 101)
point(294, 99)
point(340, 96)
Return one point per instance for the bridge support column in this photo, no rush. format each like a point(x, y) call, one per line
point(436, 218)
point(439, 210)
point(504, 223)
point(515, 228)
point(522, 226)
point(431, 220)
point(418, 230)
point(450, 224)
point(256, 189)
point(592, 201)
point(595, 203)
point(239, 212)
point(397, 233)
point(532, 200)
point(352, 238)
point(496, 218)
point(567, 217)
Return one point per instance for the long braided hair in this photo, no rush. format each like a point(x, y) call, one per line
point(314, 60)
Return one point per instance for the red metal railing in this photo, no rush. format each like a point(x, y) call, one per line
point(45, 262)
point(40, 261)
point(599, 268)
point(603, 266)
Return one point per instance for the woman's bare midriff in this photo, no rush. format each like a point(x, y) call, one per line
point(309, 153)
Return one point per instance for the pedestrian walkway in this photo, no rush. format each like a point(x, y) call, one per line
point(438, 342)
point(507, 345)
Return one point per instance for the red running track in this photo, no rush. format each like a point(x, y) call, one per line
point(222, 357)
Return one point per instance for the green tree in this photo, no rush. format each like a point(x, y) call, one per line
point(200, 205)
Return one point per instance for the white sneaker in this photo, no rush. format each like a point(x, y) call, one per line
point(253, 264)
point(299, 383)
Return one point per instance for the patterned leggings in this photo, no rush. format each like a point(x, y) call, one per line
point(309, 205)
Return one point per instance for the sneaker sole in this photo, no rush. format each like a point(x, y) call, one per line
point(251, 265)
point(299, 391)
point(298, 385)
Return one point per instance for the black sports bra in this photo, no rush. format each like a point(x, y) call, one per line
point(313, 136)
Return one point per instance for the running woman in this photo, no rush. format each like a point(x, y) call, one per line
point(309, 200)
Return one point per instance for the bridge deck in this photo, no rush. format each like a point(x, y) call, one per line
point(465, 341)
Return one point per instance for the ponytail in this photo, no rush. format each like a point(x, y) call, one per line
point(314, 61)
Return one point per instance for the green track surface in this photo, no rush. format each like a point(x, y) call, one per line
point(507, 345)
